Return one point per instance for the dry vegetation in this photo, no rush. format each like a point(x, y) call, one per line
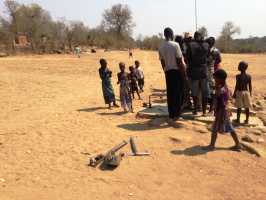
point(52, 112)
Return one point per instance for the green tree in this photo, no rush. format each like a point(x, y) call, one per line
point(119, 20)
point(225, 40)
point(77, 34)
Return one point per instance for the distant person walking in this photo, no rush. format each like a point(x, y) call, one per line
point(173, 65)
point(130, 53)
point(197, 53)
point(77, 51)
point(108, 91)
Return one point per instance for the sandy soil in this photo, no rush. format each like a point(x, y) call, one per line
point(52, 112)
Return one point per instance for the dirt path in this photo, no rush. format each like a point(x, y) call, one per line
point(52, 112)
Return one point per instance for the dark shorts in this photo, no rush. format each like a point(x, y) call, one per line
point(227, 127)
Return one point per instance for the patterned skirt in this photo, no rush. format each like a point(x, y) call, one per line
point(222, 123)
point(108, 92)
point(125, 97)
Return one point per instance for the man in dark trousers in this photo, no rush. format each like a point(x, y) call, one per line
point(173, 65)
point(197, 54)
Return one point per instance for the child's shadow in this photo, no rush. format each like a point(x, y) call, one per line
point(93, 109)
point(114, 113)
point(194, 151)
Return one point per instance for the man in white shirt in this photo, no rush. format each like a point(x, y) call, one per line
point(140, 75)
point(173, 65)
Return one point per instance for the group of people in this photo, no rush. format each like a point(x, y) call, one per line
point(192, 71)
point(130, 83)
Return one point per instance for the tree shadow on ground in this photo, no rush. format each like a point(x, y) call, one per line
point(195, 151)
point(93, 109)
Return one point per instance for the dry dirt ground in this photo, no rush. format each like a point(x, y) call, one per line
point(52, 112)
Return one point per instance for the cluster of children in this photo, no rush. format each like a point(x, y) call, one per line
point(130, 83)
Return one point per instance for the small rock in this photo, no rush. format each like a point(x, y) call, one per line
point(2, 55)
point(260, 140)
point(258, 103)
point(257, 107)
point(198, 123)
point(255, 131)
point(130, 194)
point(247, 138)
point(209, 127)
point(262, 117)
point(28, 151)
point(262, 129)
point(175, 140)
point(201, 130)
point(2, 180)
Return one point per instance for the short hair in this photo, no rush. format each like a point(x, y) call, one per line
point(220, 74)
point(243, 66)
point(121, 64)
point(198, 36)
point(137, 62)
point(102, 61)
point(210, 41)
point(179, 39)
point(168, 33)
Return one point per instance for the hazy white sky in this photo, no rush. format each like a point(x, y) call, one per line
point(151, 16)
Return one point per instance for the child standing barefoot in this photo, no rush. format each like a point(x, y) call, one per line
point(243, 91)
point(125, 96)
point(133, 82)
point(222, 121)
point(140, 75)
point(108, 91)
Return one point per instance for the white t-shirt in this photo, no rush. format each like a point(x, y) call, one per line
point(169, 51)
point(139, 73)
